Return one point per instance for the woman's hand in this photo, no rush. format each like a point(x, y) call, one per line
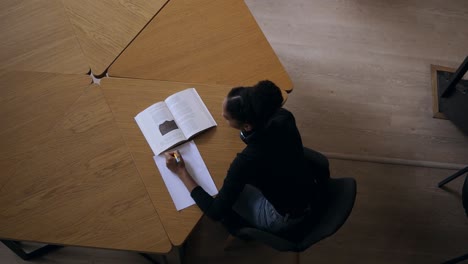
point(177, 167)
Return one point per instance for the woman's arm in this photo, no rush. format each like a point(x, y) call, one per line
point(215, 208)
point(180, 169)
point(188, 180)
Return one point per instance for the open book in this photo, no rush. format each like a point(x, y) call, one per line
point(175, 120)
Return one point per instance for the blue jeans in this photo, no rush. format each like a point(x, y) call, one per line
point(260, 213)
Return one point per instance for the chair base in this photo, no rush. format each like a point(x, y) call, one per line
point(150, 259)
point(457, 259)
point(453, 177)
point(19, 251)
point(15, 246)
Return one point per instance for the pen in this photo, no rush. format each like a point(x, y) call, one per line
point(177, 158)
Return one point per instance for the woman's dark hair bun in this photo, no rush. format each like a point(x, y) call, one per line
point(254, 104)
point(268, 93)
point(266, 100)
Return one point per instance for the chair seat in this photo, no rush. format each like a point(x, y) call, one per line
point(340, 201)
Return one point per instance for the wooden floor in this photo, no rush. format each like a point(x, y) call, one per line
point(361, 71)
point(400, 216)
point(361, 74)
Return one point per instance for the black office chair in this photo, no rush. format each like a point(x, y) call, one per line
point(464, 202)
point(340, 197)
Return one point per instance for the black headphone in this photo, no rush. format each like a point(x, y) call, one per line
point(246, 135)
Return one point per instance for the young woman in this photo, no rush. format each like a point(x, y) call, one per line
point(268, 184)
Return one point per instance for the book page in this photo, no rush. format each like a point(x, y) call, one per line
point(190, 112)
point(195, 166)
point(159, 128)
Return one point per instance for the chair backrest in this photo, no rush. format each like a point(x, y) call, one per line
point(342, 194)
point(341, 198)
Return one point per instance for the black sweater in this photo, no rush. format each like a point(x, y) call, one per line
point(273, 162)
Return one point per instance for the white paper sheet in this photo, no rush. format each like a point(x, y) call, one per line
point(195, 166)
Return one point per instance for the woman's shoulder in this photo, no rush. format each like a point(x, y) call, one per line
point(284, 112)
point(282, 116)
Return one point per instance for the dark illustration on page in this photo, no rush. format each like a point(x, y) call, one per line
point(167, 127)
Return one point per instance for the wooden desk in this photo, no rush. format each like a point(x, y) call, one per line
point(218, 146)
point(38, 36)
point(206, 41)
point(105, 27)
point(66, 175)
